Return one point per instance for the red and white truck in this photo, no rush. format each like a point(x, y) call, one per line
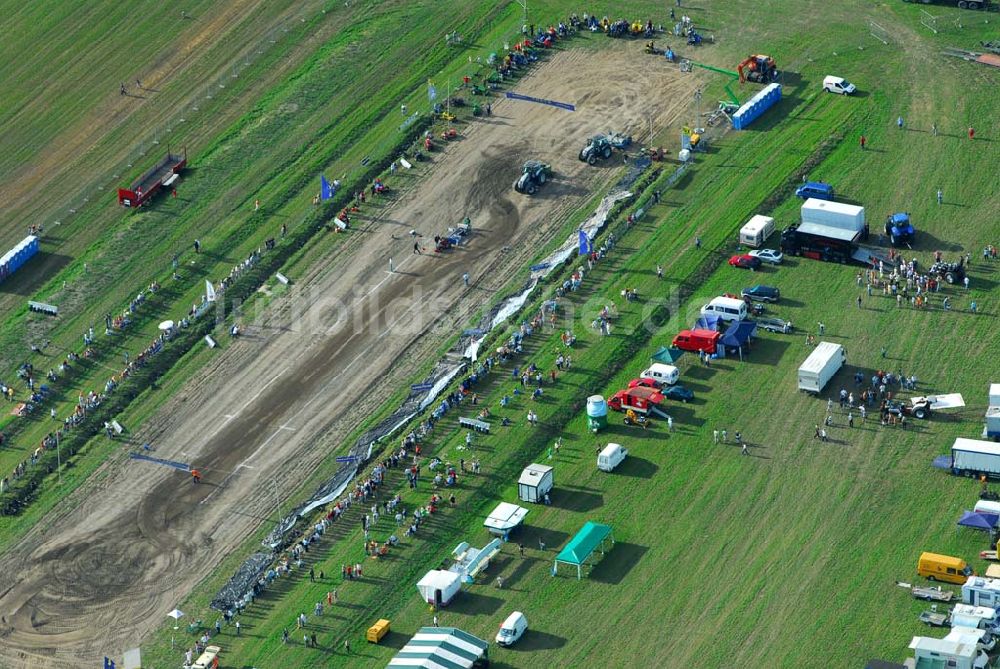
point(641, 399)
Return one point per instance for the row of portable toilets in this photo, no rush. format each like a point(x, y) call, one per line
point(17, 256)
point(753, 108)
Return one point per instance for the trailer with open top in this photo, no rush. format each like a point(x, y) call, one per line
point(164, 174)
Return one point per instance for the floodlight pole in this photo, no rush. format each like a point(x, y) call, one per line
point(524, 15)
point(58, 458)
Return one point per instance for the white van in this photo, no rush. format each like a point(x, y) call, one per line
point(839, 85)
point(512, 629)
point(611, 457)
point(662, 375)
point(726, 308)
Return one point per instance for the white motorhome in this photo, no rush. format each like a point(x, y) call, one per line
point(611, 457)
point(967, 615)
point(663, 375)
point(820, 366)
point(726, 308)
point(980, 591)
point(952, 654)
point(756, 231)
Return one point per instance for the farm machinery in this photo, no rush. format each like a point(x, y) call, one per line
point(898, 228)
point(758, 69)
point(598, 146)
point(951, 272)
point(454, 236)
point(534, 173)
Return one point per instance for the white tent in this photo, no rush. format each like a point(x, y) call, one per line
point(439, 587)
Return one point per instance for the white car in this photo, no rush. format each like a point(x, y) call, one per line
point(840, 85)
point(768, 255)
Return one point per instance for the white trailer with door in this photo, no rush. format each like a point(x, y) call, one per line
point(756, 231)
point(535, 483)
point(825, 360)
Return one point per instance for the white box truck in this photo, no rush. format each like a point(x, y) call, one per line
point(756, 231)
point(833, 214)
point(974, 457)
point(820, 366)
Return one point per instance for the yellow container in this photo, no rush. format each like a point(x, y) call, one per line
point(378, 630)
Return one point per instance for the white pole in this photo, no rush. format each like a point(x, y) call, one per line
point(58, 458)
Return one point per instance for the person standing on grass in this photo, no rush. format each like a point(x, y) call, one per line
point(659, 271)
point(864, 140)
point(715, 436)
point(934, 129)
point(940, 196)
point(972, 132)
point(859, 301)
point(899, 122)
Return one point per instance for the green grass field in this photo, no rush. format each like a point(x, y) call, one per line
point(786, 558)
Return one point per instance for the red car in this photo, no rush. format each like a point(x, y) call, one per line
point(746, 261)
point(645, 383)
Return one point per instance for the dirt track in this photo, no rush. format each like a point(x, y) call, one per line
point(117, 555)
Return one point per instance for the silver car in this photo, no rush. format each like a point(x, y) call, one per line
point(768, 255)
point(772, 324)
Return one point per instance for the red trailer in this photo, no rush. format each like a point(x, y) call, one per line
point(165, 174)
point(640, 399)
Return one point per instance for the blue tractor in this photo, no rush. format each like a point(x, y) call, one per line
point(898, 229)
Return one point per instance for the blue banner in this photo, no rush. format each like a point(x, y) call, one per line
point(347, 458)
point(584, 244)
point(527, 98)
point(326, 191)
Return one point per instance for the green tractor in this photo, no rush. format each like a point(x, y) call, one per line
point(598, 146)
point(533, 174)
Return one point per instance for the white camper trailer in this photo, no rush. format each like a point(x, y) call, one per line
point(756, 231)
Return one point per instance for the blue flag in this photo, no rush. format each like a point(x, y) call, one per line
point(584, 244)
point(326, 191)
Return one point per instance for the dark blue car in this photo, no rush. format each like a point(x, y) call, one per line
point(815, 189)
point(679, 393)
point(761, 292)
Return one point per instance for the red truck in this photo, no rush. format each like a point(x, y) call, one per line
point(164, 174)
point(697, 340)
point(641, 399)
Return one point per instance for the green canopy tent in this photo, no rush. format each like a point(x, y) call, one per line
point(591, 537)
point(667, 355)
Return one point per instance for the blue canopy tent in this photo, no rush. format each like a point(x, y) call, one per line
point(738, 335)
point(978, 521)
point(667, 355)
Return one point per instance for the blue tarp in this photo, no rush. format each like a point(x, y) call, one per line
point(739, 333)
point(707, 322)
point(978, 521)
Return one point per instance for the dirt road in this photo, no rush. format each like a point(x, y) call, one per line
point(119, 554)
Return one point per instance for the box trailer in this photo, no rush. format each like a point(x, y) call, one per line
point(820, 366)
point(535, 483)
point(992, 430)
point(835, 215)
point(830, 244)
point(974, 457)
point(756, 231)
point(164, 174)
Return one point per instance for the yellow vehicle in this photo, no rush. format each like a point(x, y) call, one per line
point(377, 631)
point(944, 568)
